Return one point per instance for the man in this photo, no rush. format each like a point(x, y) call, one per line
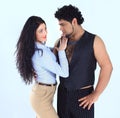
point(76, 95)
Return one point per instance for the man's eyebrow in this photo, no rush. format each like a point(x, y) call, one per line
point(61, 23)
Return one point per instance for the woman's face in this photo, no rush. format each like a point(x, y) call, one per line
point(41, 33)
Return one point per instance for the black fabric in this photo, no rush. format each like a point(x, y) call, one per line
point(68, 105)
point(82, 65)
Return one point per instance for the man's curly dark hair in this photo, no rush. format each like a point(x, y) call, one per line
point(68, 13)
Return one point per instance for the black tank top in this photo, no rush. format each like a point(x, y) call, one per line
point(82, 64)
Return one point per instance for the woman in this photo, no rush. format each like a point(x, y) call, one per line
point(34, 56)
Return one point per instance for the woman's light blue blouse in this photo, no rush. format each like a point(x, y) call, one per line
point(46, 66)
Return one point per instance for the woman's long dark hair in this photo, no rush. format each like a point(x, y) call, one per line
point(26, 48)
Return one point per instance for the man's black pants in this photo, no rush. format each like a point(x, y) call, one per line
point(68, 105)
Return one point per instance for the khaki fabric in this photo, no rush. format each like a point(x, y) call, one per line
point(41, 98)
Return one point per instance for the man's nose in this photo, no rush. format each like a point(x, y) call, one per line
point(61, 28)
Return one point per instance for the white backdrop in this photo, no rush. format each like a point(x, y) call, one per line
point(101, 17)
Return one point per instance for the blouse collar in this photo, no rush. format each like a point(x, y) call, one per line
point(40, 45)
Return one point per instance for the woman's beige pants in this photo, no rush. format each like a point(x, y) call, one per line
point(41, 99)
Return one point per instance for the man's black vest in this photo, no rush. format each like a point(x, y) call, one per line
point(83, 64)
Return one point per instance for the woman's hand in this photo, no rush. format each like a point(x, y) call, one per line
point(63, 44)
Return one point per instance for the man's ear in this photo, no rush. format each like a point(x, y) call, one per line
point(74, 21)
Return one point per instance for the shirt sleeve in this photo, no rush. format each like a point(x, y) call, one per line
point(51, 65)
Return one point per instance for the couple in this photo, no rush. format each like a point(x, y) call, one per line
point(73, 58)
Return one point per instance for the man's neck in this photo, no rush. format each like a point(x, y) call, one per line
point(78, 34)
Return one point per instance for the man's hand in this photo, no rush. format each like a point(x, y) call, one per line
point(88, 100)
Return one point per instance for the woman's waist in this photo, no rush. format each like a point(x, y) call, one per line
point(46, 80)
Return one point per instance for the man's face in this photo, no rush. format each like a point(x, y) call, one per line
point(66, 27)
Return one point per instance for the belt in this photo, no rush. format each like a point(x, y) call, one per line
point(47, 84)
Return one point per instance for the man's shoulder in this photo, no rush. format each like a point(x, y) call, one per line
point(90, 33)
point(56, 43)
